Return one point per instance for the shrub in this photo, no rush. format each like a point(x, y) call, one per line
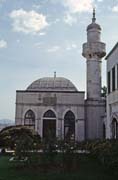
point(21, 139)
point(105, 151)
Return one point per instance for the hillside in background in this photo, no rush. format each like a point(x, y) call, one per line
point(7, 121)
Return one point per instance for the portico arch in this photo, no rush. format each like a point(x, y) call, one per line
point(49, 124)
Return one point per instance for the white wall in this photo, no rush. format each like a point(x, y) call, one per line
point(63, 103)
point(112, 98)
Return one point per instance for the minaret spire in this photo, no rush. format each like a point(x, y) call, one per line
point(93, 19)
point(55, 74)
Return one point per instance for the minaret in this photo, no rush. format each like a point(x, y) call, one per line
point(94, 51)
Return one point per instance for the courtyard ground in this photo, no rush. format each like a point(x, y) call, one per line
point(87, 170)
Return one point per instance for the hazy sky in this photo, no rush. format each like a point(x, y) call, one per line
point(38, 37)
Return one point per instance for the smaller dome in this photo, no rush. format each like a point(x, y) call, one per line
point(93, 26)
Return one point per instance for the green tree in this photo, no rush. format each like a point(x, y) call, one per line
point(104, 91)
point(21, 139)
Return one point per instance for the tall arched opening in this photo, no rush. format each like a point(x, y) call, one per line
point(69, 126)
point(49, 125)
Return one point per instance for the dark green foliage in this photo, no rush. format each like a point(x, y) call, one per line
point(87, 170)
point(105, 151)
point(53, 154)
point(20, 139)
point(104, 91)
point(69, 154)
point(49, 153)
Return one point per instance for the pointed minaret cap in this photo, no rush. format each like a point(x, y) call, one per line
point(93, 25)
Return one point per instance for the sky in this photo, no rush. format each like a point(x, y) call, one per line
point(38, 37)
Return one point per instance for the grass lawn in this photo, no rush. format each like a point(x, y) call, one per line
point(87, 170)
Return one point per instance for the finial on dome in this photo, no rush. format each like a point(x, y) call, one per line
point(55, 74)
point(93, 19)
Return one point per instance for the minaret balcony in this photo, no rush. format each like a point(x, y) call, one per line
point(94, 49)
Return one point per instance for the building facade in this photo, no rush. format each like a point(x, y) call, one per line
point(54, 107)
point(112, 94)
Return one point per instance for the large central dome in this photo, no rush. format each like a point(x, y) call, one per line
point(52, 84)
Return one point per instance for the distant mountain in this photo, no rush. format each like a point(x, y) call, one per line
point(7, 121)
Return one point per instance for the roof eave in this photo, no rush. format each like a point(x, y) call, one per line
point(113, 49)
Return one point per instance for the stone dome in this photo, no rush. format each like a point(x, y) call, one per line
point(93, 26)
point(52, 84)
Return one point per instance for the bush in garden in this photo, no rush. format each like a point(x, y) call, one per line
point(105, 151)
point(49, 152)
point(68, 151)
point(56, 153)
point(20, 139)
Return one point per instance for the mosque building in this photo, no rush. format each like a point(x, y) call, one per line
point(54, 107)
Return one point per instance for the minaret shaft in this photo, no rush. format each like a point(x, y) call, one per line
point(93, 79)
point(93, 51)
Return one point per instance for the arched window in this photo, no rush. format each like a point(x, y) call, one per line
point(114, 129)
point(69, 126)
point(29, 119)
point(49, 114)
point(49, 125)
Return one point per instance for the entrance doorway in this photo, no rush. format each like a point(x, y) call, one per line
point(49, 128)
point(49, 125)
